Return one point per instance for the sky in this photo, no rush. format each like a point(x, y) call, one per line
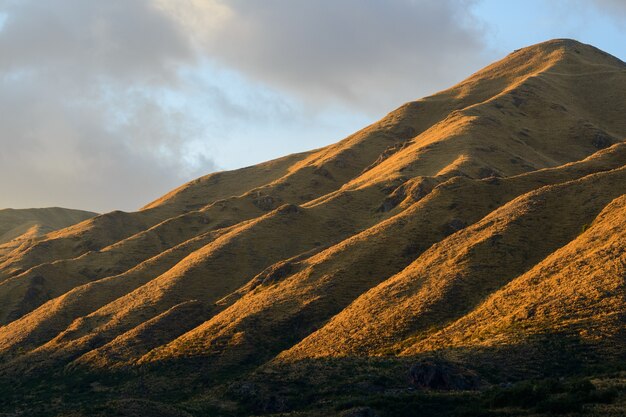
point(108, 105)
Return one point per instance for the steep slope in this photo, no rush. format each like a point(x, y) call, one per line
point(435, 231)
point(579, 290)
point(458, 132)
point(332, 287)
point(459, 272)
point(135, 237)
point(353, 262)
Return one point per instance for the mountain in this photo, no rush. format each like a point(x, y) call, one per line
point(444, 260)
point(31, 223)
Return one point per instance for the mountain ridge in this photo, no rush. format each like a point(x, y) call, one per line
point(393, 243)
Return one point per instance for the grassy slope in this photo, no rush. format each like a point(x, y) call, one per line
point(318, 291)
point(372, 246)
point(31, 223)
point(457, 273)
point(578, 290)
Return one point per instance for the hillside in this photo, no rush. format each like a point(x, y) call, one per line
point(475, 235)
point(24, 224)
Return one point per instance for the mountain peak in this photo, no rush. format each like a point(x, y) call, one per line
point(572, 48)
point(564, 43)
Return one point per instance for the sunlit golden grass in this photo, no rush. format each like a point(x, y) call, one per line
point(471, 222)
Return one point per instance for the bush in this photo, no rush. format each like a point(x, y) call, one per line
point(561, 404)
point(523, 395)
point(551, 396)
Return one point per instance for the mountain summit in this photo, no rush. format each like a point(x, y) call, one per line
point(468, 239)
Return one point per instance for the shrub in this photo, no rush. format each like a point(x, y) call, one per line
point(550, 395)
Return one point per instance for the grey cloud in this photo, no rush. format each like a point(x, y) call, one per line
point(88, 88)
point(80, 121)
point(76, 153)
point(612, 5)
point(372, 54)
point(125, 39)
point(615, 9)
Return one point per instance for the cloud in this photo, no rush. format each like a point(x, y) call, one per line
point(108, 104)
point(81, 120)
point(617, 6)
point(615, 9)
point(76, 151)
point(125, 39)
point(372, 54)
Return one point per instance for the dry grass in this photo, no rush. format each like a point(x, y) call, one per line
point(453, 222)
point(28, 224)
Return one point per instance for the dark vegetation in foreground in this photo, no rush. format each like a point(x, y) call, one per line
point(382, 387)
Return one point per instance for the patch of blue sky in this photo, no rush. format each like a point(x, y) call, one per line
point(240, 122)
point(513, 24)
